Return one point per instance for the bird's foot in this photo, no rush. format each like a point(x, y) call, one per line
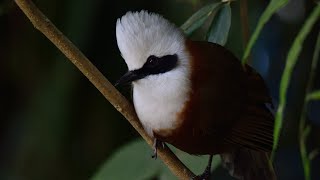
point(204, 176)
point(156, 144)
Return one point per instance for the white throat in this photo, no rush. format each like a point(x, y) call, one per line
point(157, 98)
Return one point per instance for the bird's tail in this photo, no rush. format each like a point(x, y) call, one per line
point(246, 164)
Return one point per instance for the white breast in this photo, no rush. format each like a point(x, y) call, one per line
point(158, 98)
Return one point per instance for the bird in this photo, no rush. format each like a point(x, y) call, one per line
point(196, 96)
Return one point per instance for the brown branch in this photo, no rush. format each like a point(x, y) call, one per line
point(44, 25)
point(244, 23)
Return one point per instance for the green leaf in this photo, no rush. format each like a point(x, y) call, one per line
point(220, 26)
point(198, 18)
point(314, 96)
point(273, 6)
point(306, 162)
point(132, 161)
point(290, 63)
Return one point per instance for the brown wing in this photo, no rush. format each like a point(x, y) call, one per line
point(228, 103)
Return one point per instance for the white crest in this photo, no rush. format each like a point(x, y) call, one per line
point(141, 34)
point(157, 98)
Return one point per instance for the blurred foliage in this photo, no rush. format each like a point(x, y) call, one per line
point(56, 125)
point(314, 96)
point(292, 58)
point(199, 18)
point(272, 7)
point(220, 26)
point(135, 159)
point(304, 130)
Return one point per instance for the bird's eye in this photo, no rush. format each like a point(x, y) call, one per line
point(151, 59)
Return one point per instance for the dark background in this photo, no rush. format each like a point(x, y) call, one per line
point(56, 125)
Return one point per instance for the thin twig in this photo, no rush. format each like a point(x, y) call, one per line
point(44, 25)
point(244, 24)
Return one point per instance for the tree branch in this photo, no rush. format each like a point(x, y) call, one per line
point(43, 24)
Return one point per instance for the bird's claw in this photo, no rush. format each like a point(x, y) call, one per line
point(204, 176)
point(156, 144)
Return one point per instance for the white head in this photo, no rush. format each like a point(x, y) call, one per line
point(155, 53)
point(142, 34)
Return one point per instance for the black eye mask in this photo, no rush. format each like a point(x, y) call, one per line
point(153, 65)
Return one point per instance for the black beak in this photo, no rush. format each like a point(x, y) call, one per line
point(129, 77)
